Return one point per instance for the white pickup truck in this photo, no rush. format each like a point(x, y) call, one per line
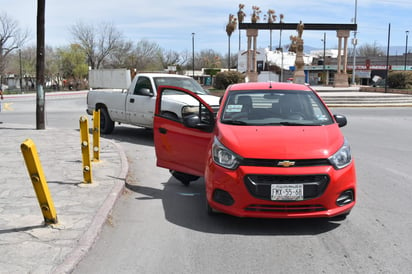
point(136, 105)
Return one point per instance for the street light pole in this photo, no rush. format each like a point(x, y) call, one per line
point(193, 54)
point(324, 57)
point(40, 98)
point(21, 73)
point(406, 49)
point(354, 42)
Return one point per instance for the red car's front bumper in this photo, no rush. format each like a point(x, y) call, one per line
point(227, 191)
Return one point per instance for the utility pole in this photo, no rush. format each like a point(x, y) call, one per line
point(324, 59)
point(387, 58)
point(406, 49)
point(193, 54)
point(354, 42)
point(21, 73)
point(40, 98)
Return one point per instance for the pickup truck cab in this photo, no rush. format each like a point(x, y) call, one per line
point(274, 150)
point(136, 105)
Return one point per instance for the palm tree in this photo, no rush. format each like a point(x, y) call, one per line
point(230, 28)
point(240, 17)
point(271, 18)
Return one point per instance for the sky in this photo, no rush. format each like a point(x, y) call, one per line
point(170, 24)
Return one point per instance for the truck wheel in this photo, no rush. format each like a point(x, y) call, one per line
point(106, 123)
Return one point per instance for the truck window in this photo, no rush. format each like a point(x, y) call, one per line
point(186, 83)
point(141, 84)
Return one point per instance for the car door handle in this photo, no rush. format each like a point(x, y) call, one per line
point(162, 130)
point(131, 100)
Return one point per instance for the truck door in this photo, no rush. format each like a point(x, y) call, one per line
point(180, 145)
point(140, 103)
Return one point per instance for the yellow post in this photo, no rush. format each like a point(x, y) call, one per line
point(29, 151)
point(96, 136)
point(85, 145)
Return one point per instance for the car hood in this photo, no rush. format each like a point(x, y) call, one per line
point(281, 142)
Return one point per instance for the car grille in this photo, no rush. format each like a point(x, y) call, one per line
point(274, 162)
point(259, 186)
point(285, 208)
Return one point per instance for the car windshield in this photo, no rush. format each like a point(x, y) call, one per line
point(182, 82)
point(275, 107)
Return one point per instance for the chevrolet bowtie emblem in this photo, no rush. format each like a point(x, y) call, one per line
point(286, 163)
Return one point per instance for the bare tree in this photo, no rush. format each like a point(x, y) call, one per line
point(170, 58)
point(97, 42)
point(370, 50)
point(145, 56)
point(12, 37)
point(121, 57)
point(208, 59)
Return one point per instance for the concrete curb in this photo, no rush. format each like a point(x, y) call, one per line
point(86, 242)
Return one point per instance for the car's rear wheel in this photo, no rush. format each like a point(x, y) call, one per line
point(106, 123)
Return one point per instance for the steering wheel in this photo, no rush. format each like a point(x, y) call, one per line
point(296, 116)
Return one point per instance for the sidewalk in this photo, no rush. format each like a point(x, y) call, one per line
point(26, 245)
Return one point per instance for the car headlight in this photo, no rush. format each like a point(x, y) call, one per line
point(342, 157)
point(223, 156)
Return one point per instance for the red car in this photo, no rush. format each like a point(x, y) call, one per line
point(272, 150)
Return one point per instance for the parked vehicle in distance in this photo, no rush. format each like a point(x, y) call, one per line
point(274, 150)
point(136, 105)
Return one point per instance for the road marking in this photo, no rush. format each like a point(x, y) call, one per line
point(7, 106)
point(188, 194)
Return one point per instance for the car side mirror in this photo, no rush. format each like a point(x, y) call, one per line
point(145, 92)
point(340, 119)
point(194, 121)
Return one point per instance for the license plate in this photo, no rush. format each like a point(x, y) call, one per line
point(292, 192)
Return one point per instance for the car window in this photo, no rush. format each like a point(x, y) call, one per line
point(190, 109)
point(274, 108)
point(142, 83)
point(182, 82)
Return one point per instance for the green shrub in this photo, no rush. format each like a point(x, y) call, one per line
point(400, 79)
point(226, 78)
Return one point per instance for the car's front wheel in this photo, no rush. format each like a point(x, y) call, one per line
point(341, 217)
point(184, 178)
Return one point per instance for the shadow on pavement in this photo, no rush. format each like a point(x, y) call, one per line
point(20, 229)
point(130, 134)
point(186, 206)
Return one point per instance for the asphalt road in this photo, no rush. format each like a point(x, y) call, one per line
point(160, 226)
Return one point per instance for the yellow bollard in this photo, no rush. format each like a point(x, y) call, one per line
point(84, 138)
point(96, 136)
point(29, 151)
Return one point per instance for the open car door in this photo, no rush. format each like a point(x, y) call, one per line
point(182, 136)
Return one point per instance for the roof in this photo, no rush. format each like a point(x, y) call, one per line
point(157, 74)
point(268, 85)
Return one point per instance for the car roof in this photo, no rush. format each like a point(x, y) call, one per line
point(268, 85)
point(157, 74)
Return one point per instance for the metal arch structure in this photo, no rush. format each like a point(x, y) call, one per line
point(342, 32)
point(293, 26)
